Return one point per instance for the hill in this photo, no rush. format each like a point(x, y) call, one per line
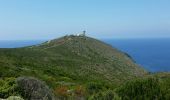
point(77, 63)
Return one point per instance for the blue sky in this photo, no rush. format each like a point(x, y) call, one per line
point(47, 19)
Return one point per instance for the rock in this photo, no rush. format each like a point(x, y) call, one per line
point(13, 98)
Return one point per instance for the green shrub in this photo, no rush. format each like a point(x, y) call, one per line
point(8, 87)
point(143, 89)
point(94, 87)
point(107, 95)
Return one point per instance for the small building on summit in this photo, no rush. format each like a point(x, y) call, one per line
point(81, 34)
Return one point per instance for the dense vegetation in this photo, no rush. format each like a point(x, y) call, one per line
point(152, 88)
point(8, 87)
point(76, 67)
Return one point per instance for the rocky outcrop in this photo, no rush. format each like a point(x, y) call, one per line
point(13, 98)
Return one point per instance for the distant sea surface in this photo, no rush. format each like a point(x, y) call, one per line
point(18, 43)
point(152, 54)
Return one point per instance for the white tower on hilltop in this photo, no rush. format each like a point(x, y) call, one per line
point(81, 34)
point(84, 33)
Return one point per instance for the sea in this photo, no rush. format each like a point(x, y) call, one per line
point(151, 54)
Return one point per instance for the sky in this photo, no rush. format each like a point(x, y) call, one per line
point(48, 19)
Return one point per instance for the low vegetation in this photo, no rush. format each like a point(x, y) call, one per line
point(77, 68)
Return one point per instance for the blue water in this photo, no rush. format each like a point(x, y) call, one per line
point(152, 54)
point(18, 43)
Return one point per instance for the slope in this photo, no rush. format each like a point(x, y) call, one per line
point(70, 61)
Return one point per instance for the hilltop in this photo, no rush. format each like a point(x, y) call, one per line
point(89, 57)
point(77, 63)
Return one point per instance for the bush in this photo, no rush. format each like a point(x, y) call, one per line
point(8, 87)
point(107, 95)
point(143, 89)
point(61, 91)
point(80, 91)
point(94, 87)
point(33, 89)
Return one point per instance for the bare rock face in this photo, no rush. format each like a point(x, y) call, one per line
point(14, 98)
point(33, 89)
